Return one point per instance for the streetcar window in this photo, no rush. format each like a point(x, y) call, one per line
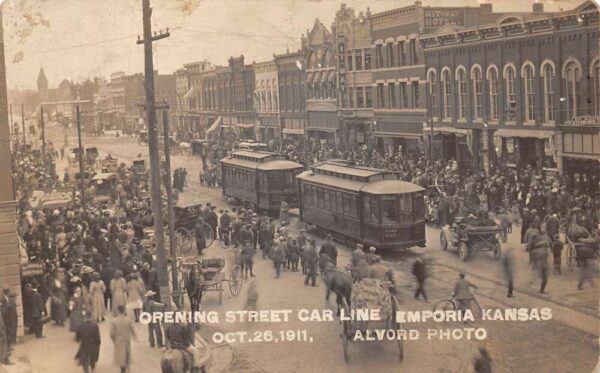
point(326, 205)
point(390, 210)
point(367, 209)
point(347, 207)
point(320, 198)
point(405, 204)
point(339, 202)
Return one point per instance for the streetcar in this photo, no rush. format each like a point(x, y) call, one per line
point(363, 205)
point(263, 179)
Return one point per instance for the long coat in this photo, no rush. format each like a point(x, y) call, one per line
point(88, 336)
point(9, 316)
point(121, 331)
point(97, 290)
point(118, 288)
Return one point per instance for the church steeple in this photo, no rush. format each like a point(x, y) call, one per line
point(42, 81)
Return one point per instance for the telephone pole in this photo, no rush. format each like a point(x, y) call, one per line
point(43, 125)
point(23, 122)
point(169, 190)
point(157, 208)
point(81, 185)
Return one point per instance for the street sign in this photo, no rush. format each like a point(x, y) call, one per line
point(51, 198)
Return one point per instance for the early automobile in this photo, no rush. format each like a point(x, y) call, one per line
point(472, 234)
point(105, 185)
point(186, 217)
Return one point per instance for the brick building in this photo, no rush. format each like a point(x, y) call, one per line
point(323, 123)
point(266, 100)
point(291, 76)
point(500, 92)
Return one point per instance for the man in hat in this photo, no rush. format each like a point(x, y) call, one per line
point(225, 226)
point(552, 225)
point(420, 272)
point(88, 336)
point(526, 221)
point(151, 306)
point(37, 311)
point(200, 235)
point(371, 256)
point(9, 316)
point(311, 261)
point(121, 332)
point(462, 292)
point(278, 256)
point(328, 248)
point(212, 219)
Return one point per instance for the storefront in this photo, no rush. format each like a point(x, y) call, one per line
point(520, 148)
point(323, 127)
point(579, 149)
point(457, 144)
point(406, 138)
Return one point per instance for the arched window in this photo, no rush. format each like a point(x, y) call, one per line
point(492, 77)
point(547, 73)
point(528, 76)
point(511, 96)
point(461, 83)
point(572, 76)
point(477, 92)
point(432, 84)
point(596, 77)
point(446, 91)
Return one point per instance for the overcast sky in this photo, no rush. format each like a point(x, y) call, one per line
point(75, 39)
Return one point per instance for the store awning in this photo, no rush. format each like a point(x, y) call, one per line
point(526, 133)
point(244, 125)
point(214, 126)
point(321, 129)
point(293, 131)
point(448, 130)
point(403, 135)
point(582, 156)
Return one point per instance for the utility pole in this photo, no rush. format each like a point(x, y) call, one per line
point(23, 122)
point(43, 136)
point(157, 207)
point(170, 205)
point(80, 152)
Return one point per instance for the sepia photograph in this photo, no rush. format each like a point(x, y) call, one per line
point(270, 186)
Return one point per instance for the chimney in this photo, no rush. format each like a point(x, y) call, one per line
point(486, 7)
point(538, 7)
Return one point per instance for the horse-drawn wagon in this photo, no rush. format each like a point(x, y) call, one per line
point(369, 294)
point(209, 274)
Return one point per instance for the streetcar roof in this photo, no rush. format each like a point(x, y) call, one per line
point(355, 171)
point(391, 187)
point(240, 162)
point(280, 164)
point(253, 154)
point(332, 181)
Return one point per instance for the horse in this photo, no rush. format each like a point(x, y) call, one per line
point(338, 282)
point(193, 287)
point(175, 361)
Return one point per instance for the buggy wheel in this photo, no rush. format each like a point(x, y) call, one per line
point(497, 249)
point(444, 305)
point(443, 240)
point(235, 281)
point(463, 251)
point(183, 238)
point(209, 234)
point(397, 326)
point(475, 308)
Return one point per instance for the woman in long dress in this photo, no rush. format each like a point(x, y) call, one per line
point(97, 290)
point(135, 292)
point(58, 300)
point(76, 304)
point(118, 289)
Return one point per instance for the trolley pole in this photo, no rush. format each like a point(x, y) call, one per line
point(81, 186)
point(157, 207)
point(170, 205)
point(23, 123)
point(43, 137)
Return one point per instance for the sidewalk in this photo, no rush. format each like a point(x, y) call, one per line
point(56, 352)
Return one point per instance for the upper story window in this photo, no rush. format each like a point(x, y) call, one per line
point(572, 77)
point(493, 92)
point(432, 87)
point(596, 77)
point(390, 54)
point(528, 77)
point(401, 54)
point(367, 59)
point(379, 55)
point(447, 93)
point(477, 92)
point(511, 95)
point(547, 73)
point(461, 85)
